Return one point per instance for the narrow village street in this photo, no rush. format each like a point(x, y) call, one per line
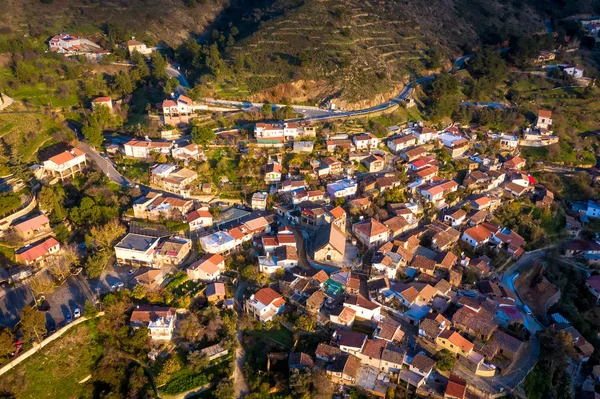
point(239, 379)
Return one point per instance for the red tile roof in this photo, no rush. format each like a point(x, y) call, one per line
point(66, 156)
point(370, 227)
point(478, 233)
point(195, 215)
point(268, 296)
point(36, 251)
point(337, 212)
point(456, 388)
point(545, 113)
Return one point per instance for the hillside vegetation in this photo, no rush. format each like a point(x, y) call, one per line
point(356, 50)
point(156, 21)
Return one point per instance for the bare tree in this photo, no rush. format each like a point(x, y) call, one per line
point(60, 265)
point(41, 283)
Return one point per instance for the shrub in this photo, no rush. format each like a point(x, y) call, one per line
point(184, 382)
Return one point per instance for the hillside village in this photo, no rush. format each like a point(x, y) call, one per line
point(301, 254)
point(380, 241)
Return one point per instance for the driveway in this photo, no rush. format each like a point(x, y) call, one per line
point(71, 295)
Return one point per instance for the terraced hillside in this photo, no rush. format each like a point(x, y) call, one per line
point(361, 51)
point(155, 21)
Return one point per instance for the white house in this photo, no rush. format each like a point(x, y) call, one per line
point(143, 148)
point(435, 192)
point(199, 219)
point(364, 308)
point(63, 43)
point(273, 172)
point(425, 134)
point(136, 46)
point(259, 201)
point(190, 151)
point(572, 70)
point(476, 236)
point(65, 164)
point(365, 141)
point(218, 242)
point(160, 321)
point(185, 105)
point(102, 102)
point(456, 218)
point(544, 119)
point(265, 304)
point(342, 189)
point(137, 250)
point(370, 232)
point(207, 269)
point(422, 365)
point(398, 144)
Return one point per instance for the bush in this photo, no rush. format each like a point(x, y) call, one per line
point(184, 382)
point(446, 360)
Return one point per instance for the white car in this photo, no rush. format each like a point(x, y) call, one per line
point(77, 313)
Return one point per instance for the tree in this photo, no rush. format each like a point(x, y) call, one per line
point(93, 132)
point(225, 390)
point(305, 323)
point(197, 361)
point(446, 360)
point(434, 58)
point(266, 110)
point(89, 310)
point(7, 342)
point(60, 265)
point(340, 201)
point(212, 59)
point(106, 235)
point(159, 66)
point(191, 329)
point(202, 135)
point(9, 202)
point(41, 283)
point(123, 84)
point(32, 324)
point(488, 64)
point(170, 367)
point(284, 112)
point(141, 68)
point(50, 199)
point(96, 263)
point(395, 195)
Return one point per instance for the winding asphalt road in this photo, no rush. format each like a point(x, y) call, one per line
point(316, 114)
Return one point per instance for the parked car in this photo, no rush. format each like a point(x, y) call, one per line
point(68, 317)
point(77, 313)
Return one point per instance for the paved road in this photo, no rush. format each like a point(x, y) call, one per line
point(316, 114)
point(239, 379)
point(104, 163)
point(174, 72)
point(508, 279)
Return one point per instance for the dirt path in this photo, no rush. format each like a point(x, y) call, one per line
point(239, 379)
